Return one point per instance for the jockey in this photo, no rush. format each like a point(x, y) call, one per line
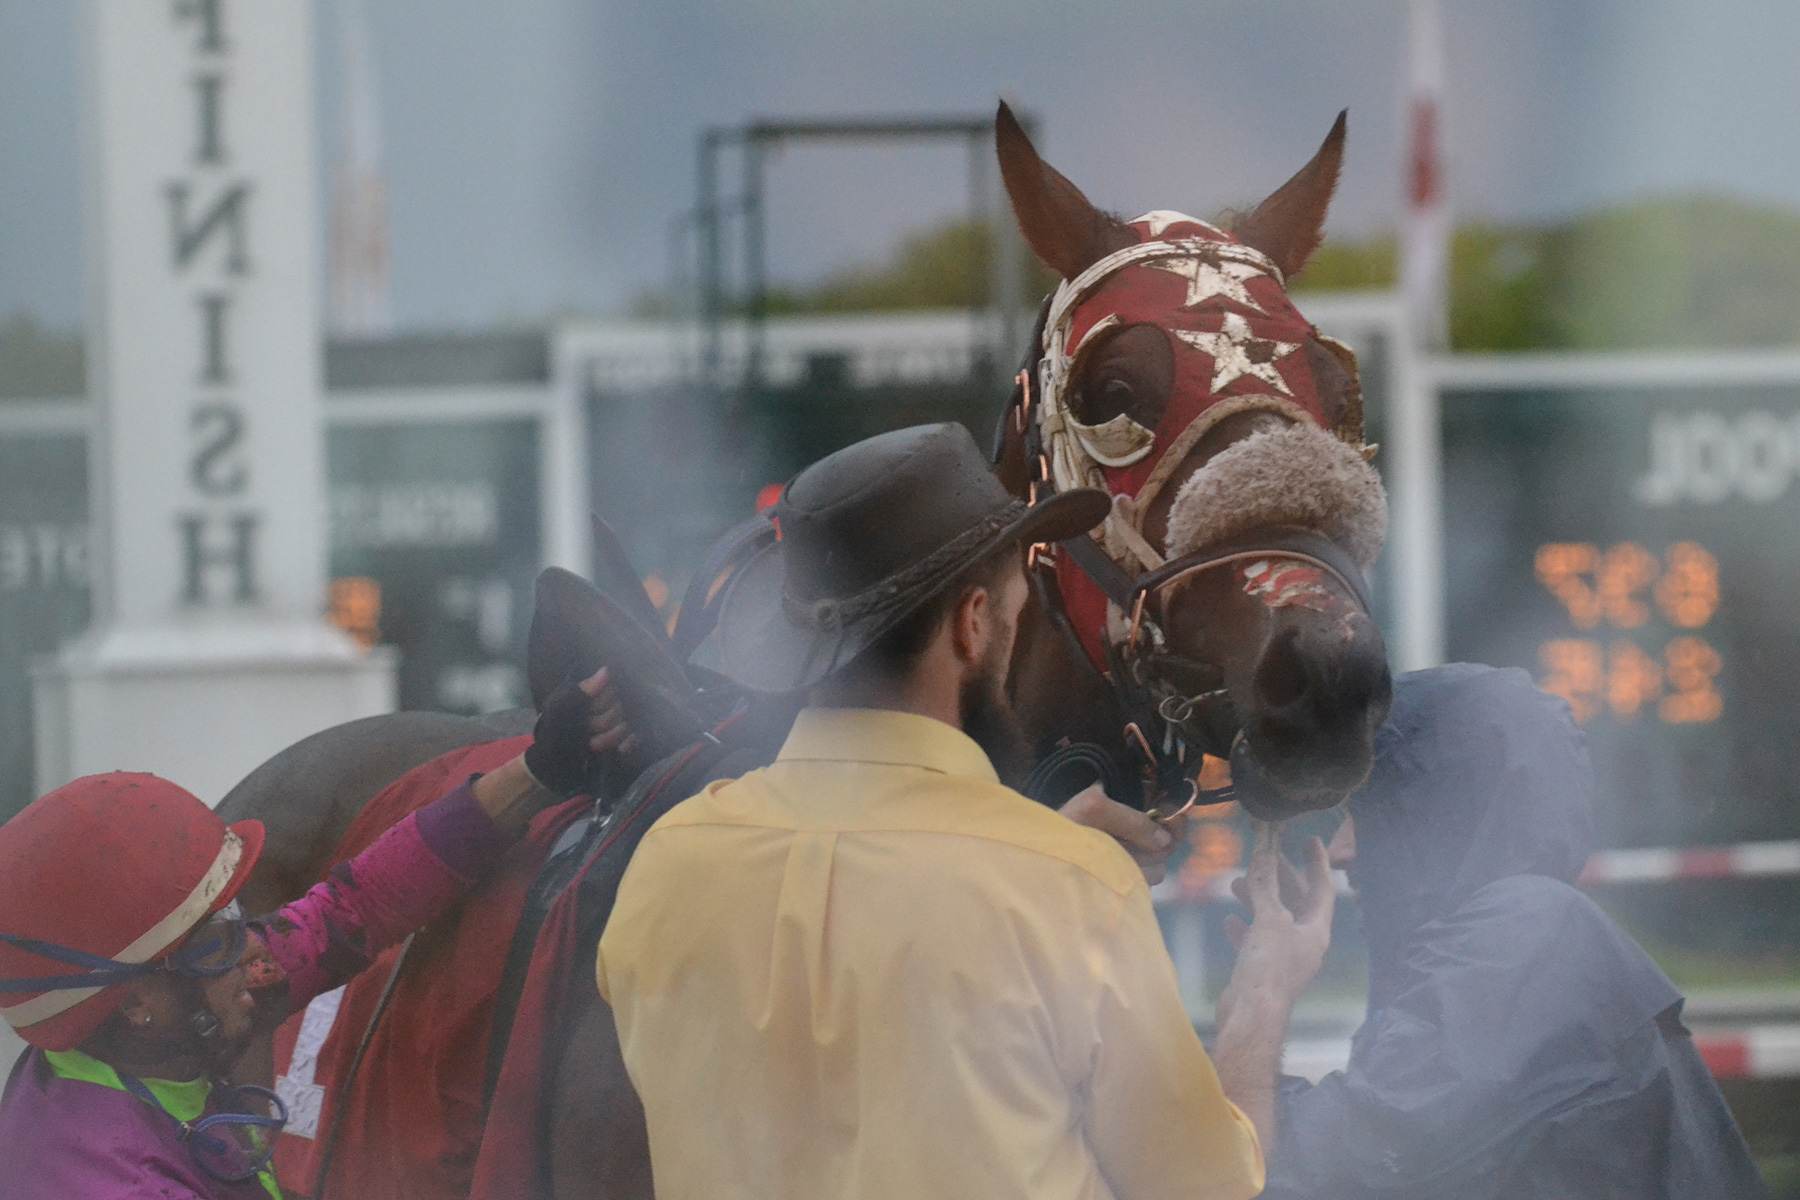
point(127, 965)
point(872, 970)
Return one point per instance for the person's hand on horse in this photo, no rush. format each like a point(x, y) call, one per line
point(1149, 842)
point(1282, 947)
point(578, 724)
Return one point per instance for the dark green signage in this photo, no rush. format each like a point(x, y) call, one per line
point(435, 542)
point(1638, 551)
point(43, 583)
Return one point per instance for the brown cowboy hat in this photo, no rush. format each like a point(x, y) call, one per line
point(869, 534)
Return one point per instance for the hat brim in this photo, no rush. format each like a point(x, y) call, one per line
point(763, 648)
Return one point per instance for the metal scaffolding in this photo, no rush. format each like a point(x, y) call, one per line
point(707, 226)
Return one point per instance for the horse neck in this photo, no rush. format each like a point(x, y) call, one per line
point(1056, 694)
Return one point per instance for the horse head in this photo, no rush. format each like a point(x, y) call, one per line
point(1222, 606)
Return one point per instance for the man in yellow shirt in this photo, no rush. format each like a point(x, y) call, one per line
point(871, 970)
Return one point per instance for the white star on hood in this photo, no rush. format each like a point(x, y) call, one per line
point(1207, 279)
point(1161, 218)
point(1236, 352)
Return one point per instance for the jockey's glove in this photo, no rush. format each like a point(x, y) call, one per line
point(559, 757)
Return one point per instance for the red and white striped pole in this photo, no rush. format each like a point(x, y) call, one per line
point(1412, 462)
point(1425, 237)
point(1660, 865)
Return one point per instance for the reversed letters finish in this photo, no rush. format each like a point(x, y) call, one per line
point(209, 243)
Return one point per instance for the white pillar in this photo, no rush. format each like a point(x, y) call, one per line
point(1414, 449)
point(1414, 431)
point(209, 651)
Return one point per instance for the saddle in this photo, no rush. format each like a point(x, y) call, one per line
point(695, 728)
point(698, 726)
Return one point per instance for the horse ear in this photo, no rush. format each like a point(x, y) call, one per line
point(1066, 232)
point(1290, 224)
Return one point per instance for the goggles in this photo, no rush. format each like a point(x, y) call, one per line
point(213, 947)
point(231, 1146)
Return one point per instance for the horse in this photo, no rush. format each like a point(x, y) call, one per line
point(1217, 624)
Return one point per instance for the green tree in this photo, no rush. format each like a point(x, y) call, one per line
point(37, 362)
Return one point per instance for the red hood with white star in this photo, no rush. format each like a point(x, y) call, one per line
point(1232, 330)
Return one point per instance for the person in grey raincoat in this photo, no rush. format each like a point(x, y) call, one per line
point(1518, 1043)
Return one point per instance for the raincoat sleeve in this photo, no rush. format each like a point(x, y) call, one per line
point(424, 863)
point(1523, 1014)
point(1157, 1120)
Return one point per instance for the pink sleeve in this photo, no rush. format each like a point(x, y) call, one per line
point(412, 872)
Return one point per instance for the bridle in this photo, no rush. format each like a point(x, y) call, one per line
point(1180, 725)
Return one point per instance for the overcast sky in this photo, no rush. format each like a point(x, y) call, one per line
point(537, 149)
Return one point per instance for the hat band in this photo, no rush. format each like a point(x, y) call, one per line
point(158, 938)
point(904, 587)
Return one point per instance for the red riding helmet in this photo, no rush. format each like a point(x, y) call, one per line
point(105, 874)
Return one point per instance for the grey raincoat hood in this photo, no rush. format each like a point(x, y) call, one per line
point(1478, 776)
point(1518, 1044)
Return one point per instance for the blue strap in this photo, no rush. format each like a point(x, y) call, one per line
point(102, 971)
point(135, 1086)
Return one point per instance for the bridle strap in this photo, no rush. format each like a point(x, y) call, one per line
point(1300, 545)
point(1098, 566)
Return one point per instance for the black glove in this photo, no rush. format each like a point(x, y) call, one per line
point(559, 757)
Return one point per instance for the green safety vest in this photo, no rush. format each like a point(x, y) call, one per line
point(183, 1101)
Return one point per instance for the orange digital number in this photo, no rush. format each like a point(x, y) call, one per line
point(355, 602)
point(1576, 671)
point(1560, 568)
point(1633, 680)
point(1627, 570)
point(1692, 667)
point(1617, 587)
point(1689, 592)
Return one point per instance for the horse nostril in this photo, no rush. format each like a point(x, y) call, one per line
point(1281, 677)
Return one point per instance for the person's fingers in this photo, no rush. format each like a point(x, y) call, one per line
point(593, 683)
point(1137, 831)
point(1293, 888)
point(1240, 888)
point(609, 739)
point(1262, 877)
point(608, 718)
point(1078, 805)
point(1154, 873)
point(1321, 896)
point(1235, 929)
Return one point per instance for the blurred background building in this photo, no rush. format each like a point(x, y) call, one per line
point(571, 263)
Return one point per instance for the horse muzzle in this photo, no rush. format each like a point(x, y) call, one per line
point(1318, 691)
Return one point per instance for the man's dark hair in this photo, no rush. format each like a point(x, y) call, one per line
point(897, 652)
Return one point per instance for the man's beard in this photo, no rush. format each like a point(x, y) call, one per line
point(989, 719)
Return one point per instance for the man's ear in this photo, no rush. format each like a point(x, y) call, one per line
point(971, 624)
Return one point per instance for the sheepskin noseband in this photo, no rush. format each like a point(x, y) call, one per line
point(1299, 476)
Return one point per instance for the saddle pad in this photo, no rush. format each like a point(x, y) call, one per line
point(412, 1119)
point(559, 932)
